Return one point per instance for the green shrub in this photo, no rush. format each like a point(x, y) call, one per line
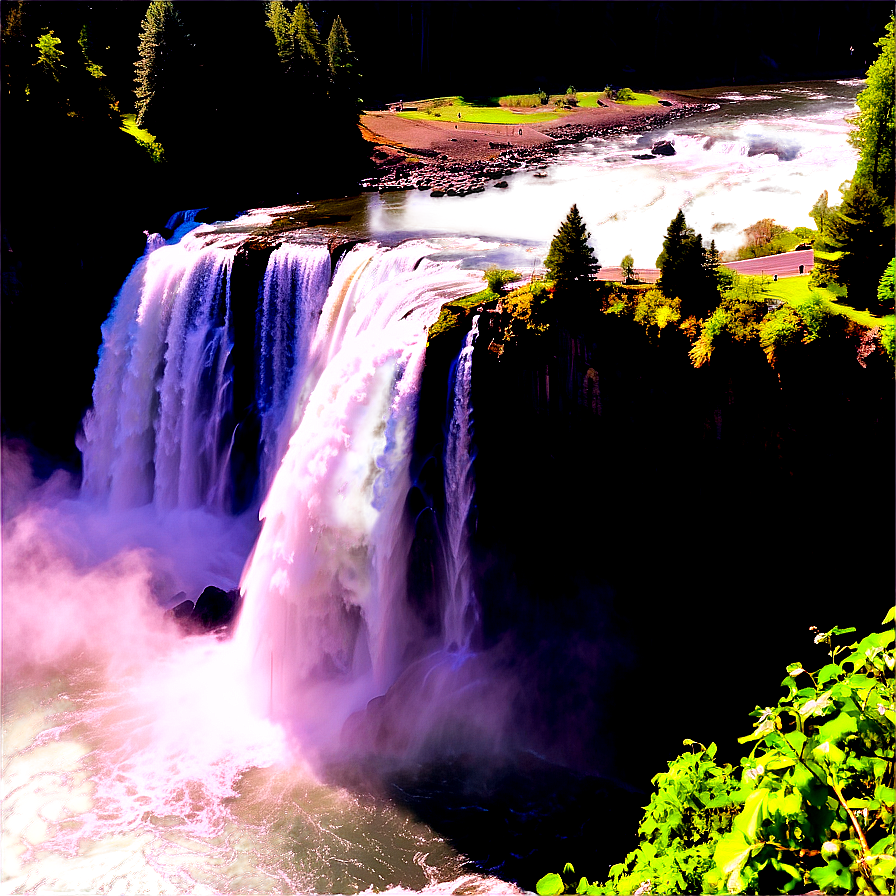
point(812, 805)
point(888, 337)
point(498, 279)
point(653, 309)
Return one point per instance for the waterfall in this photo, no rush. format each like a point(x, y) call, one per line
point(325, 590)
point(163, 383)
point(292, 296)
point(460, 609)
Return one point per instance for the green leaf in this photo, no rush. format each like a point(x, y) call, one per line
point(826, 673)
point(816, 706)
point(568, 869)
point(832, 874)
point(885, 794)
point(583, 886)
point(755, 811)
point(550, 885)
point(830, 751)
point(732, 852)
point(891, 615)
point(796, 739)
point(838, 728)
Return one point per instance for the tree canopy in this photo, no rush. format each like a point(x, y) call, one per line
point(873, 133)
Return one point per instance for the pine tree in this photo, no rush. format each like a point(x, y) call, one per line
point(162, 75)
point(685, 270)
point(343, 68)
point(863, 243)
point(873, 133)
point(570, 262)
point(299, 48)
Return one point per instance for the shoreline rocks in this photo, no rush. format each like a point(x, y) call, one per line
point(435, 172)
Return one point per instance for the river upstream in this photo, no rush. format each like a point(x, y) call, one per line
point(139, 761)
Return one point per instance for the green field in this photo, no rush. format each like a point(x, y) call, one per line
point(495, 110)
point(796, 290)
point(457, 110)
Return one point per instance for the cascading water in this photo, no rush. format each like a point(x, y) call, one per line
point(163, 383)
point(325, 590)
point(292, 297)
point(460, 609)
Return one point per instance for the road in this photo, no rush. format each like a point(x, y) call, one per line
point(784, 265)
point(787, 264)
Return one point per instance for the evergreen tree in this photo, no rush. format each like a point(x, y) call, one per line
point(570, 262)
point(299, 48)
point(873, 133)
point(685, 270)
point(820, 213)
point(862, 241)
point(163, 68)
point(343, 68)
point(628, 269)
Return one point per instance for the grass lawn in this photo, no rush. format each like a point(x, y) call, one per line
point(796, 290)
point(641, 99)
point(477, 114)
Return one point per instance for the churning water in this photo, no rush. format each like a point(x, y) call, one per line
point(140, 761)
point(762, 153)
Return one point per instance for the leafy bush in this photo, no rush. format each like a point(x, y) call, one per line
point(778, 330)
point(702, 349)
point(886, 290)
point(498, 279)
point(624, 94)
point(812, 806)
point(653, 309)
point(888, 337)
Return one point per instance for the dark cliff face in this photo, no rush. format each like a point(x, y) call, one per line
point(648, 534)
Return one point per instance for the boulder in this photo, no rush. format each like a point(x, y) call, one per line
point(216, 608)
point(501, 183)
point(663, 148)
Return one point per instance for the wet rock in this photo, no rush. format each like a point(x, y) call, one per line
point(663, 148)
point(501, 183)
point(644, 156)
point(216, 608)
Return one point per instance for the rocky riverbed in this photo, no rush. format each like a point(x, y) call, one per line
point(445, 172)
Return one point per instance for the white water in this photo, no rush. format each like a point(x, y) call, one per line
point(293, 293)
point(460, 611)
point(163, 383)
point(325, 589)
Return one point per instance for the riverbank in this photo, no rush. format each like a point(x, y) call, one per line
point(457, 158)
